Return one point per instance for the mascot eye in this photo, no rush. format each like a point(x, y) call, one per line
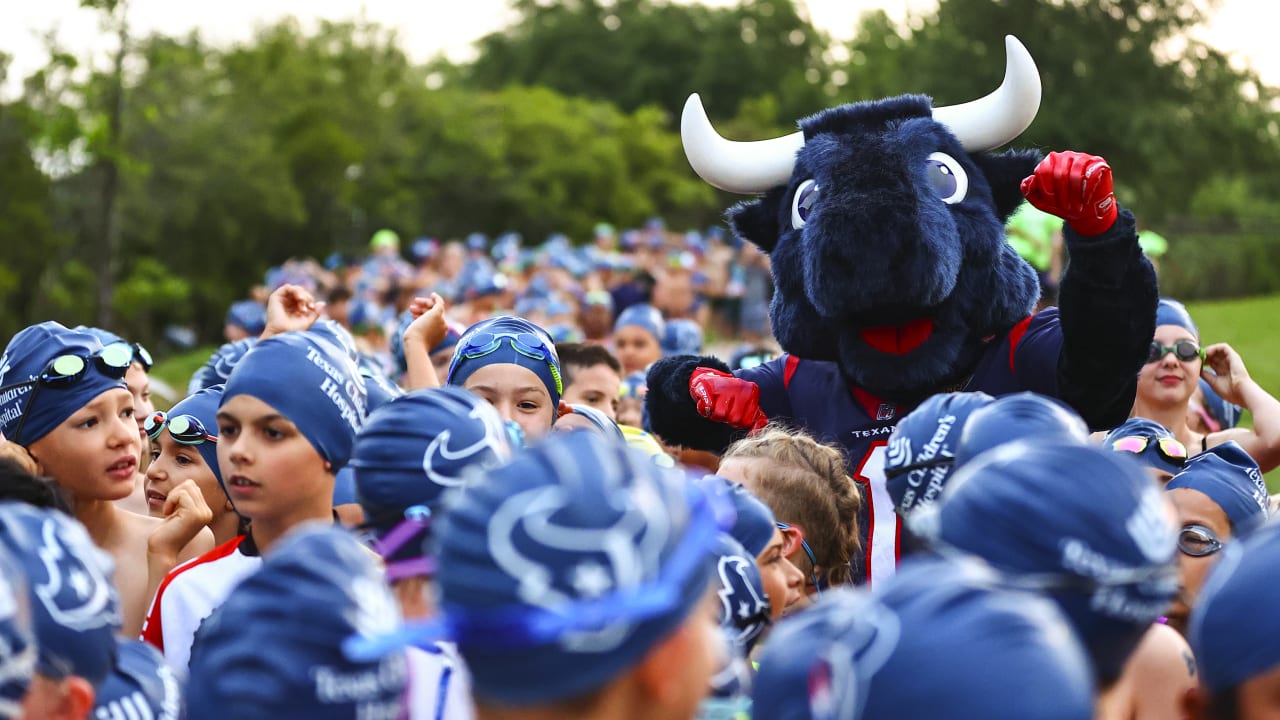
point(947, 177)
point(806, 197)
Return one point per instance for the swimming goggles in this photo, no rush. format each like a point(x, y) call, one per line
point(1198, 541)
point(66, 370)
point(1184, 350)
point(527, 344)
point(184, 429)
point(1168, 448)
point(793, 539)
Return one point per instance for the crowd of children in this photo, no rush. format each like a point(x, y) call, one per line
point(471, 520)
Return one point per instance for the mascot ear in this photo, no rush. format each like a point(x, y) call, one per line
point(1005, 172)
point(757, 220)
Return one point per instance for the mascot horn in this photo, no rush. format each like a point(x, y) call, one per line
point(884, 225)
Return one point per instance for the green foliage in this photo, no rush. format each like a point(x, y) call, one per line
point(232, 159)
point(1248, 325)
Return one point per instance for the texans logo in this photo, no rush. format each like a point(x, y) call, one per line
point(5, 366)
point(739, 600)
point(899, 451)
point(1151, 528)
point(75, 591)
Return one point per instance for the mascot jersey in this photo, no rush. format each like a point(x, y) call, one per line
point(884, 222)
point(814, 395)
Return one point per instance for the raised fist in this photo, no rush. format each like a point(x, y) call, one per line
point(1077, 188)
point(727, 399)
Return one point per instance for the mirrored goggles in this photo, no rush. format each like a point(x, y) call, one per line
point(184, 429)
point(66, 370)
point(1184, 350)
point(1198, 541)
point(1168, 448)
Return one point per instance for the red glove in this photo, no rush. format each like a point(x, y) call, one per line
point(726, 399)
point(1077, 188)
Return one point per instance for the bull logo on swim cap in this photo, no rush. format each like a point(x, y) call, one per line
point(899, 451)
point(558, 554)
point(1151, 527)
point(75, 590)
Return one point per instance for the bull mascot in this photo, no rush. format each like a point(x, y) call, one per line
point(884, 224)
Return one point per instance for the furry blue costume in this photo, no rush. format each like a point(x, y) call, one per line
point(884, 224)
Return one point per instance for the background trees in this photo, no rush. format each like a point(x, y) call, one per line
point(227, 160)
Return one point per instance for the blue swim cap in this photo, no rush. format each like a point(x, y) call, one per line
point(274, 648)
point(921, 453)
point(754, 523)
point(312, 383)
point(1084, 525)
point(1230, 478)
point(140, 686)
point(31, 408)
point(562, 569)
point(17, 640)
point(75, 611)
point(940, 640)
point(1152, 453)
point(1234, 624)
point(203, 406)
point(1172, 312)
point(220, 364)
point(409, 453)
point(510, 340)
point(744, 606)
point(1020, 416)
point(682, 337)
point(248, 315)
point(608, 428)
point(646, 317)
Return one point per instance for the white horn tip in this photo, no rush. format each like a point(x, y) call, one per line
point(737, 167)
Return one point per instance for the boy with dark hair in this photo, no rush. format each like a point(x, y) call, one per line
point(592, 377)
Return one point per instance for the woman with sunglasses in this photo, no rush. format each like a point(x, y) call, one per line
point(63, 397)
point(511, 363)
point(1219, 496)
point(1173, 370)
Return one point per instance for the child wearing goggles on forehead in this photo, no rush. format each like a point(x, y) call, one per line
point(63, 397)
point(511, 363)
point(139, 384)
point(1171, 376)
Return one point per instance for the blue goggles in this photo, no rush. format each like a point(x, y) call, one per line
point(515, 627)
point(485, 343)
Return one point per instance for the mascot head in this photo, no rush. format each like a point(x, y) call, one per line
point(884, 223)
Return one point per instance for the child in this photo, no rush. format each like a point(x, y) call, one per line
point(63, 398)
point(938, 640)
point(74, 609)
point(274, 648)
point(1220, 497)
point(511, 363)
point(184, 445)
point(592, 377)
point(755, 528)
point(807, 487)
point(618, 622)
point(1233, 631)
point(281, 439)
point(407, 455)
point(637, 337)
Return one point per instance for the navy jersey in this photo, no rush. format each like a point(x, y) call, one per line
point(814, 396)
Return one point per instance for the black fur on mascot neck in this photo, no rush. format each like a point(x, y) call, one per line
point(880, 248)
